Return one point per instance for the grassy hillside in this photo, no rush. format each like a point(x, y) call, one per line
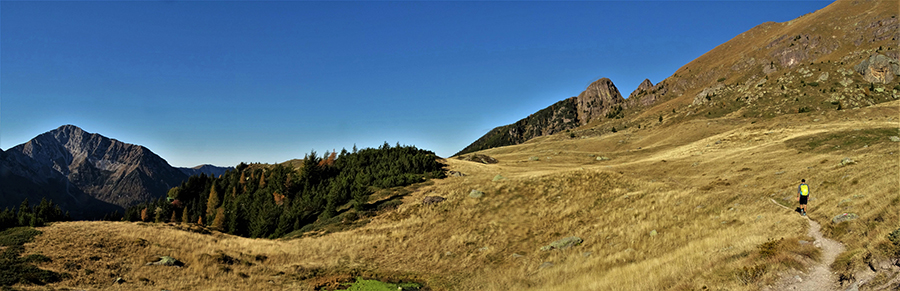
point(704, 187)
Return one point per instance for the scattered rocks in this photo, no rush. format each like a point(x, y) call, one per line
point(895, 138)
point(166, 261)
point(545, 265)
point(476, 194)
point(119, 280)
point(534, 159)
point(479, 158)
point(653, 233)
point(455, 174)
point(779, 173)
point(603, 158)
point(847, 161)
point(498, 178)
point(428, 200)
point(844, 217)
point(563, 243)
point(845, 201)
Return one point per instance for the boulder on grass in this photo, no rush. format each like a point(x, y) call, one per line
point(433, 200)
point(563, 243)
point(844, 217)
point(166, 261)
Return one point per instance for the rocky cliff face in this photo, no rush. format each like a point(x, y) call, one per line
point(600, 100)
point(106, 169)
point(556, 118)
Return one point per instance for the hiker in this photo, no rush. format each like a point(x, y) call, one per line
point(803, 196)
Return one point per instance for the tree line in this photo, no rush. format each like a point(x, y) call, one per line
point(26, 215)
point(272, 201)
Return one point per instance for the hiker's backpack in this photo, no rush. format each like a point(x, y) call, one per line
point(804, 189)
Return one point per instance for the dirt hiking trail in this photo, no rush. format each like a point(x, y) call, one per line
point(820, 277)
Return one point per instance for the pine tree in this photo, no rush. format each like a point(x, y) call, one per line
point(212, 202)
point(24, 215)
point(185, 216)
point(219, 221)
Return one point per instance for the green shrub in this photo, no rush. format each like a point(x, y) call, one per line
point(17, 236)
point(720, 79)
point(15, 269)
point(894, 237)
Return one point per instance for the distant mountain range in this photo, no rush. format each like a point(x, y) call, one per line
point(86, 173)
point(207, 169)
point(840, 57)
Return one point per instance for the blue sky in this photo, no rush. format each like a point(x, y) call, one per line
point(240, 81)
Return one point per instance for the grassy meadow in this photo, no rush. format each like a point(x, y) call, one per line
point(686, 206)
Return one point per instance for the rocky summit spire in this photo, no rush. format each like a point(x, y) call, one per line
point(645, 86)
point(597, 100)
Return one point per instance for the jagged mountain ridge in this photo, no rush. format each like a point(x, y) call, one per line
point(601, 99)
point(842, 56)
point(106, 169)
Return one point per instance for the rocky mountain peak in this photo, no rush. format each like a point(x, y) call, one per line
point(597, 100)
point(645, 86)
point(104, 168)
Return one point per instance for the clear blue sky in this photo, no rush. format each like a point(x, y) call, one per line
point(242, 81)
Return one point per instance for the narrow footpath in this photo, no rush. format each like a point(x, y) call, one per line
point(820, 276)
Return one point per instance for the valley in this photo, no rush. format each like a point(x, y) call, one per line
point(687, 184)
point(675, 207)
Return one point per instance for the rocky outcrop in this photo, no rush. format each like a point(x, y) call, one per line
point(558, 117)
point(106, 169)
point(878, 69)
point(646, 94)
point(597, 101)
point(644, 87)
point(757, 72)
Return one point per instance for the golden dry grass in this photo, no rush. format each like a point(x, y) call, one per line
point(704, 186)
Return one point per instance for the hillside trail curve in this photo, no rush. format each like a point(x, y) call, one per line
point(820, 276)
